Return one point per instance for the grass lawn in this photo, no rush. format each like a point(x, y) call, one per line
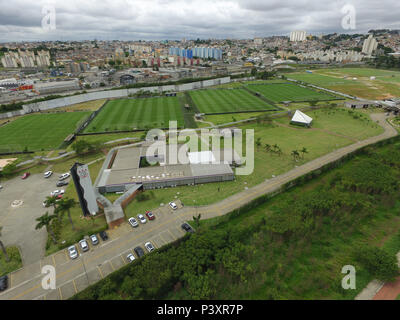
point(341, 121)
point(39, 131)
point(328, 135)
point(226, 118)
point(386, 84)
point(15, 262)
point(107, 137)
point(84, 106)
point(289, 92)
point(128, 114)
point(227, 100)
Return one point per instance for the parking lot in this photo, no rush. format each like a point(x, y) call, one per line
point(99, 261)
point(19, 222)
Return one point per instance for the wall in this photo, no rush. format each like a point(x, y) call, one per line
point(62, 102)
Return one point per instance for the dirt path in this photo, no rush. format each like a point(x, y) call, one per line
point(390, 291)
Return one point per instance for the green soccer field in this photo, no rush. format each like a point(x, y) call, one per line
point(39, 131)
point(227, 100)
point(289, 92)
point(128, 114)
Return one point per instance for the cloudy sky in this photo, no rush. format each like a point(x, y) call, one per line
point(190, 19)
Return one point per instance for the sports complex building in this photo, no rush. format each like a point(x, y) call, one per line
point(126, 167)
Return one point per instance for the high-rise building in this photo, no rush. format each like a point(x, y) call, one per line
point(298, 36)
point(43, 59)
point(258, 41)
point(8, 61)
point(200, 52)
point(370, 45)
point(27, 60)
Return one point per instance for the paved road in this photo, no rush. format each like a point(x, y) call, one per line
point(19, 222)
point(75, 275)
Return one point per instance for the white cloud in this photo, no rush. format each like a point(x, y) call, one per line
point(174, 19)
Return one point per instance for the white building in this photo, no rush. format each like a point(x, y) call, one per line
point(298, 36)
point(370, 45)
point(8, 61)
point(258, 41)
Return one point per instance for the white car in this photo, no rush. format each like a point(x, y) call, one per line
point(141, 218)
point(149, 246)
point(94, 239)
point(57, 192)
point(133, 222)
point(173, 205)
point(130, 257)
point(84, 245)
point(64, 176)
point(72, 252)
point(48, 174)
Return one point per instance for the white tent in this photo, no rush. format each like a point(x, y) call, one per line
point(301, 118)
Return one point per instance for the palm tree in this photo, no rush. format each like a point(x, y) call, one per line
point(44, 221)
point(65, 205)
point(197, 219)
point(3, 248)
point(304, 151)
point(295, 154)
point(51, 201)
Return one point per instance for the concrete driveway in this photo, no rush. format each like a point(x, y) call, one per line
point(19, 222)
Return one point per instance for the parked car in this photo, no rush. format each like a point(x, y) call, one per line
point(133, 222)
point(139, 251)
point(72, 252)
point(61, 183)
point(150, 215)
point(103, 235)
point(64, 176)
point(48, 174)
point(173, 205)
point(94, 239)
point(3, 283)
point(57, 192)
point(187, 227)
point(130, 257)
point(141, 218)
point(25, 175)
point(84, 245)
point(149, 246)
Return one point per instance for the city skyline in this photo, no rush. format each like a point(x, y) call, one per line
point(170, 20)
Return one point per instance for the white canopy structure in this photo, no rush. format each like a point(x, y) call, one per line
point(301, 118)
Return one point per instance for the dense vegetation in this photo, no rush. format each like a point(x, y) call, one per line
point(291, 247)
point(18, 105)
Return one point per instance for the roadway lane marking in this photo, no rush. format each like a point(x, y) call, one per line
point(171, 234)
point(162, 239)
point(112, 267)
point(59, 291)
point(73, 282)
point(54, 260)
point(174, 219)
point(101, 273)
